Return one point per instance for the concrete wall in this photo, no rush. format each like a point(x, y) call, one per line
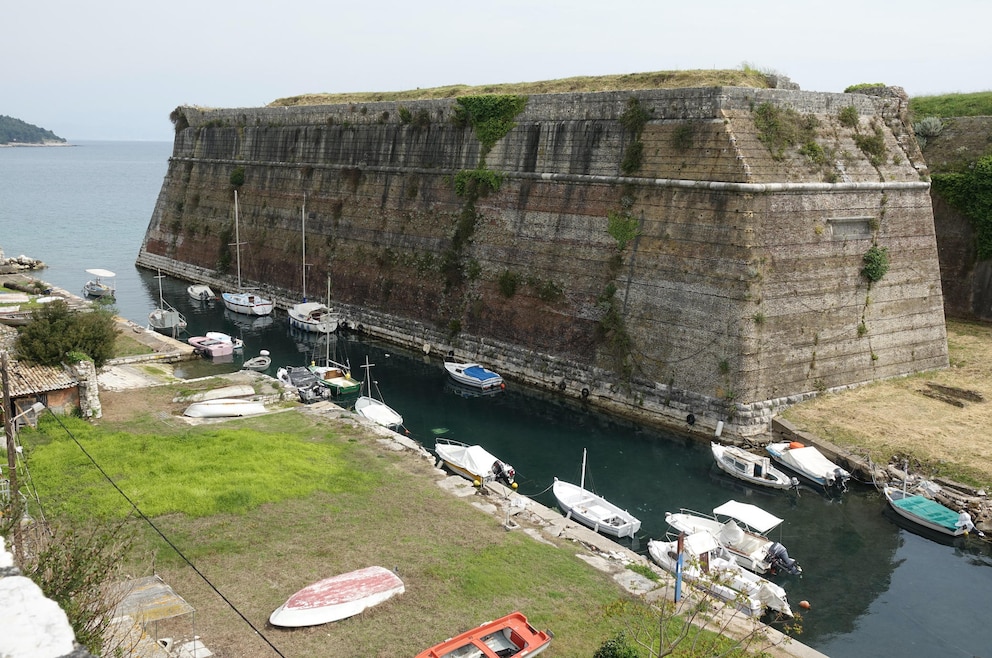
point(741, 292)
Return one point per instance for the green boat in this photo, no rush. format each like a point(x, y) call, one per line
point(928, 513)
point(336, 377)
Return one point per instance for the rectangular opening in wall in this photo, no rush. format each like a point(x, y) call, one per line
point(850, 228)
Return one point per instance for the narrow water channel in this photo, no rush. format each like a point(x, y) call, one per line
point(874, 588)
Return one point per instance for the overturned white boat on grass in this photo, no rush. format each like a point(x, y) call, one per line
point(709, 567)
point(474, 462)
point(742, 529)
point(224, 408)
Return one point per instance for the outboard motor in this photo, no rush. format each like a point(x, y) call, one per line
point(779, 560)
point(503, 472)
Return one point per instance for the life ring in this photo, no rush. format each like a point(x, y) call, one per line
point(561, 385)
point(585, 392)
point(690, 419)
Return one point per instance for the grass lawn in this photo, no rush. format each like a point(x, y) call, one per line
point(265, 506)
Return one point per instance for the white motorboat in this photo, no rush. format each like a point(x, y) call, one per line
point(166, 318)
point(751, 468)
point(371, 405)
point(809, 463)
point(244, 302)
point(593, 510)
point(101, 285)
point(474, 375)
point(210, 347)
point(709, 567)
point(338, 597)
point(224, 408)
point(200, 292)
point(743, 530)
point(474, 462)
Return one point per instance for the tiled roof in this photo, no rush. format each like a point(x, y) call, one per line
point(25, 379)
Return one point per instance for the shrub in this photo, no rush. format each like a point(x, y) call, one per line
point(238, 177)
point(970, 193)
point(876, 261)
point(55, 331)
point(848, 116)
point(781, 128)
point(508, 283)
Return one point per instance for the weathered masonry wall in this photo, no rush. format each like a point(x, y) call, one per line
point(716, 276)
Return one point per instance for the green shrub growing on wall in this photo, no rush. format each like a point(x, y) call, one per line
point(970, 192)
point(238, 177)
point(780, 128)
point(491, 116)
point(477, 182)
point(508, 283)
point(876, 261)
point(848, 116)
point(622, 227)
point(873, 146)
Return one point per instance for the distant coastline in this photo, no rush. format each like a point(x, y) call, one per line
point(28, 144)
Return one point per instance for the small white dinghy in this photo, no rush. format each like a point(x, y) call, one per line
point(337, 597)
point(474, 462)
point(751, 468)
point(809, 463)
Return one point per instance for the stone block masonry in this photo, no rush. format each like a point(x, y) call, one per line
point(703, 259)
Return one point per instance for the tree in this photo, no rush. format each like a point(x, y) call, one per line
point(57, 333)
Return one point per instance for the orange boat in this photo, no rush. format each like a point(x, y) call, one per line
point(507, 637)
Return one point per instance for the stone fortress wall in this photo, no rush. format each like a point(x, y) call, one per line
point(716, 274)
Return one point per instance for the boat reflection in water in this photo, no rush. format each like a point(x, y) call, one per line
point(249, 323)
point(465, 391)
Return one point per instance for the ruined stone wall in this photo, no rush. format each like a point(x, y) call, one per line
point(740, 292)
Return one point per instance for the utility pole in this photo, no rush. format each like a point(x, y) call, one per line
point(8, 428)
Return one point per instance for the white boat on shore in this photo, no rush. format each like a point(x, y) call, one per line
point(474, 462)
point(928, 513)
point(709, 567)
point(743, 530)
point(224, 408)
point(593, 510)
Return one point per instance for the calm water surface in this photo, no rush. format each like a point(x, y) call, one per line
point(875, 589)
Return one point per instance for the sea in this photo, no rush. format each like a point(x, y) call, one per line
point(874, 587)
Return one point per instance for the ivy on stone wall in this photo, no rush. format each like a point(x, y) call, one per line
point(622, 227)
point(970, 193)
point(633, 119)
point(876, 263)
point(491, 116)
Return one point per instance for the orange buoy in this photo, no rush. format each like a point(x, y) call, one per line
point(796, 444)
point(804, 604)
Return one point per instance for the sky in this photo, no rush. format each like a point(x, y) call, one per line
point(115, 69)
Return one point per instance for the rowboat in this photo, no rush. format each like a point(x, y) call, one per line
point(928, 513)
point(338, 597)
point(224, 408)
point(200, 292)
point(593, 510)
point(97, 287)
point(210, 346)
point(511, 635)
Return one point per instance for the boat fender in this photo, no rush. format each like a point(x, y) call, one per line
point(690, 419)
point(585, 392)
point(561, 385)
point(796, 444)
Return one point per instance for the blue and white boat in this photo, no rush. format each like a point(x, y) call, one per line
point(929, 513)
point(474, 375)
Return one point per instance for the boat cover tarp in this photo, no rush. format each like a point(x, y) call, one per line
point(809, 460)
point(101, 272)
point(474, 459)
point(480, 373)
point(752, 516)
point(928, 509)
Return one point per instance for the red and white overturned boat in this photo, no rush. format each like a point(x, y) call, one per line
point(511, 635)
point(337, 597)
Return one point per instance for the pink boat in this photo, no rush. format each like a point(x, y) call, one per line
point(338, 597)
point(211, 346)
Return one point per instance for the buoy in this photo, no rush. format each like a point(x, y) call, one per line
point(514, 486)
point(690, 419)
point(804, 604)
point(476, 483)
